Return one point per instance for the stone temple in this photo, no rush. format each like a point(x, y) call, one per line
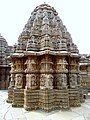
point(85, 71)
point(45, 66)
point(5, 51)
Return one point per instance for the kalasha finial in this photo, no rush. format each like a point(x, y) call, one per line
point(44, 2)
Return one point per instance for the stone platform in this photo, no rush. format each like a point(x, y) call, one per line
point(7, 112)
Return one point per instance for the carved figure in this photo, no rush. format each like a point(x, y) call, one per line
point(73, 81)
point(42, 81)
point(19, 81)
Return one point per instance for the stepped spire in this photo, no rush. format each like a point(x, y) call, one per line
point(44, 21)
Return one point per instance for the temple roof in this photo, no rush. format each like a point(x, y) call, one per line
point(44, 30)
point(85, 59)
point(5, 50)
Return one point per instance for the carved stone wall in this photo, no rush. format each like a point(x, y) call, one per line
point(5, 67)
point(85, 71)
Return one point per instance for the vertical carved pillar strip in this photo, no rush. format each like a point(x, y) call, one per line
point(18, 91)
point(31, 93)
point(61, 71)
point(12, 83)
point(19, 73)
point(31, 79)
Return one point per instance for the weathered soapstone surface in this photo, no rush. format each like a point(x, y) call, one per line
point(85, 71)
point(45, 66)
point(7, 112)
point(5, 51)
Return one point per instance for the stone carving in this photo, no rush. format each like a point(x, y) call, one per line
point(46, 81)
point(85, 71)
point(20, 45)
point(28, 85)
point(51, 15)
point(63, 45)
point(56, 31)
point(31, 64)
point(73, 81)
point(79, 79)
point(12, 67)
point(46, 30)
point(5, 51)
point(19, 80)
point(62, 81)
point(48, 54)
point(45, 15)
point(42, 81)
point(31, 81)
point(12, 82)
point(61, 65)
point(58, 46)
point(49, 82)
point(39, 14)
point(47, 41)
point(46, 64)
point(31, 44)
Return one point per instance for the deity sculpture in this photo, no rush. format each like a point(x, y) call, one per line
point(46, 81)
point(19, 81)
point(73, 81)
point(31, 81)
point(42, 81)
point(62, 81)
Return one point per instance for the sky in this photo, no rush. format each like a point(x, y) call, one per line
point(75, 15)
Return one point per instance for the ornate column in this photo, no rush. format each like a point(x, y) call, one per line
point(74, 87)
point(46, 77)
point(19, 73)
point(61, 94)
point(18, 91)
point(31, 82)
point(12, 83)
point(61, 71)
point(46, 94)
point(31, 92)
point(31, 73)
point(73, 81)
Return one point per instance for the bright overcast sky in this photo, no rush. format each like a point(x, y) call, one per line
point(75, 14)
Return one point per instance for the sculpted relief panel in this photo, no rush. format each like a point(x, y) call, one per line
point(12, 82)
point(19, 80)
point(61, 65)
point(73, 81)
point(31, 81)
point(61, 81)
point(46, 81)
point(30, 64)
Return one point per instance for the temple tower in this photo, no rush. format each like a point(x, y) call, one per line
point(5, 51)
point(45, 65)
